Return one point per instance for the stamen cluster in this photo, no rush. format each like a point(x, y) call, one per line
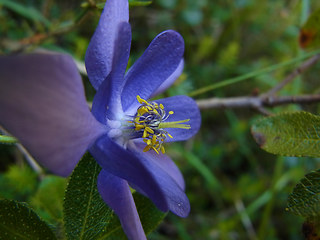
point(147, 122)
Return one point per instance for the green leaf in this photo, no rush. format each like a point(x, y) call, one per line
point(196, 162)
point(132, 3)
point(310, 32)
point(48, 200)
point(86, 215)
point(7, 139)
point(289, 134)
point(17, 221)
point(18, 182)
point(27, 12)
point(305, 198)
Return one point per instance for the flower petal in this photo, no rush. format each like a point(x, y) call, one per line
point(177, 201)
point(138, 169)
point(42, 103)
point(101, 48)
point(170, 80)
point(184, 108)
point(158, 63)
point(116, 193)
point(164, 162)
point(106, 102)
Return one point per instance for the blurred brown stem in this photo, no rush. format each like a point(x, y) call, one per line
point(267, 99)
point(38, 38)
point(256, 101)
point(303, 67)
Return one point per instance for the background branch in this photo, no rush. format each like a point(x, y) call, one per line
point(303, 67)
point(256, 102)
point(267, 99)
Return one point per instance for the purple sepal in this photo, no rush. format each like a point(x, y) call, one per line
point(116, 193)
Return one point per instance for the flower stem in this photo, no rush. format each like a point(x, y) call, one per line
point(7, 139)
point(251, 74)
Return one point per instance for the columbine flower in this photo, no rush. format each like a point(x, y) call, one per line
point(42, 103)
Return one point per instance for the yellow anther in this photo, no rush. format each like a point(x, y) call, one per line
point(149, 130)
point(142, 110)
point(155, 150)
point(145, 133)
point(139, 127)
point(161, 106)
point(170, 135)
point(154, 139)
point(163, 150)
point(140, 100)
point(171, 112)
point(137, 119)
point(147, 148)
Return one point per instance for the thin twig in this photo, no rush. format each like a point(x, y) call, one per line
point(38, 38)
point(256, 102)
point(303, 67)
point(267, 99)
point(31, 161)
point(245, 219)
point(249, 75)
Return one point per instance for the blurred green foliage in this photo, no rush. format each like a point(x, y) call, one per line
point(236, 190)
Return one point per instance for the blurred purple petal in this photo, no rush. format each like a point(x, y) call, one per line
point(116, 193)
point(157, 64)
point(42, 103)
point(184, 108)
point(101, 48)
point(167, 83)
point(109, 91)
point(140, 170)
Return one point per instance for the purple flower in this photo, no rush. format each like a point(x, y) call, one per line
point(42, 103)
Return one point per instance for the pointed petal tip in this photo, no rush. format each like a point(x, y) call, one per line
point(181, 209)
